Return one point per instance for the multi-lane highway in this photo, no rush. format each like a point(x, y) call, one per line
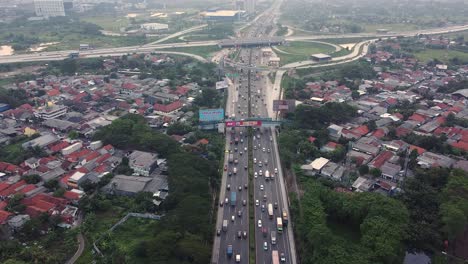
point(247, 99)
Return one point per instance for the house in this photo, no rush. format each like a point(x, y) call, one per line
point(143, 163)
point(330, 147)
point(362, 184)
point(131, 185)
point(380, 159)
point(17, 221)
point(315, 166)
point(390, 171)
point(334, 131)
point(430, 159)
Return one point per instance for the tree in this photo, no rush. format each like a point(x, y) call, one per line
point(14, 204)
point(31, 179)
point(363, 169)
point(375, 172)
point(59, 192)
point(355, 94)
point(69, 67)
point(73, 134)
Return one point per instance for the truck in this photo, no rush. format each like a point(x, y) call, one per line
point(233, 198)
point(273, 237)
point(234, 170)
point(274, 257)
point(267, 175)
point(229, 251)
point(270, 211)
point(231, 157)
point(236, 140)
point(73, 55)
point(225, 225)
point(285, 217)
point(279, 224)
point(238, 258)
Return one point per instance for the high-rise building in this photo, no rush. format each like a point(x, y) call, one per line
point(49, 8)
point(250, 6)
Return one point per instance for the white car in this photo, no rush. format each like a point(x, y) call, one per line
point(233, 218)
point(259, 223)
point(276, 170)
point(257, 203)
point(263, 149)
point(260, 172)
point(255, 160)
point(255, 174)
point(261, 187)
point(245, 149)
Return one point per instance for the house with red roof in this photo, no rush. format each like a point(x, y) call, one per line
point(461, 145)
point(181, 91)
point(361, 130)
point(418, 149)
point(379, 133)
point(4, 215)
point(330, 147)
point(57, 147)
point(380, 159)
point(418, 118)
point(169, 107)
point(129, 86)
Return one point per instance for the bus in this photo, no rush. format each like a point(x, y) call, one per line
point(270, 210)
point(279, 224)
point(274, 257)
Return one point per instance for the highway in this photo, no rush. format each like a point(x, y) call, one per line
point(151, 47)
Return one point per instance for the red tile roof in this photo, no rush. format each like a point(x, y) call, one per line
point(168, 108)
point(59, 146)
point(181, 90)
point(417, 117)
point(4, 185)
point(3, 205)
point(203, 141)
point(129, 86)
point(71, 195)
point(75, 156)
point(53, 92)
point(361, 130)
point(92, 156)
point(312, 139)
point(419, 149)
point(12, 189)
point(460, 145)
point(4, 216)
point(379, 133)
point(381, 159)
point(108, 147)
point(103, 158)
point(28, 188)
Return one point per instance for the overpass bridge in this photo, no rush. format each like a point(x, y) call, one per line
point(251, 42)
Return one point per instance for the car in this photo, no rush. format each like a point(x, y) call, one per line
point(254, 160)
point(245, 167)
point(269, 150)
point(230, 173)
point(225, 167)
point(265, 246)
point(221, 203)
point(242, 140)
point(282, 257)
point(245, 149)
point(244, 202)
point(244, 234)
point(235, 149)
point(260, 163)
point(259, 223)
point(228, 187)
point(271, 138)
point(230, 142)
point(261, 187)
point(255, 174)
point(255, 147)
point(239, 213)
point(239, 188)
point(233, 218)
point(276, 170)
point(263, 149)
point(263, 208)
point(266, 162)
point(218, 232)
point(260, 172)
point(245, 186)
point(239, 234)
point(226, 200)
point(265, 231)
point(276, 205)
point(256, 202)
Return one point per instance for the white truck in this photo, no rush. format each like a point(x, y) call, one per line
point(238, 258)
point(225, 225)
point(267, 175)
point(234, 170)
point(273, 237)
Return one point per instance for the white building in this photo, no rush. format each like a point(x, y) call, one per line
point(154, 27)
point(51, 111)
point(49, 8)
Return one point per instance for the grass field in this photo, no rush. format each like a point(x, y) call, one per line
point(299, 51)
point(109, 23)
point(440, 54)
point(204, 51)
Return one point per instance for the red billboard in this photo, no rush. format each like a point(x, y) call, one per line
point(243, 123)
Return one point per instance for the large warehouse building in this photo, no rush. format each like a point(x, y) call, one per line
point(223, 15)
